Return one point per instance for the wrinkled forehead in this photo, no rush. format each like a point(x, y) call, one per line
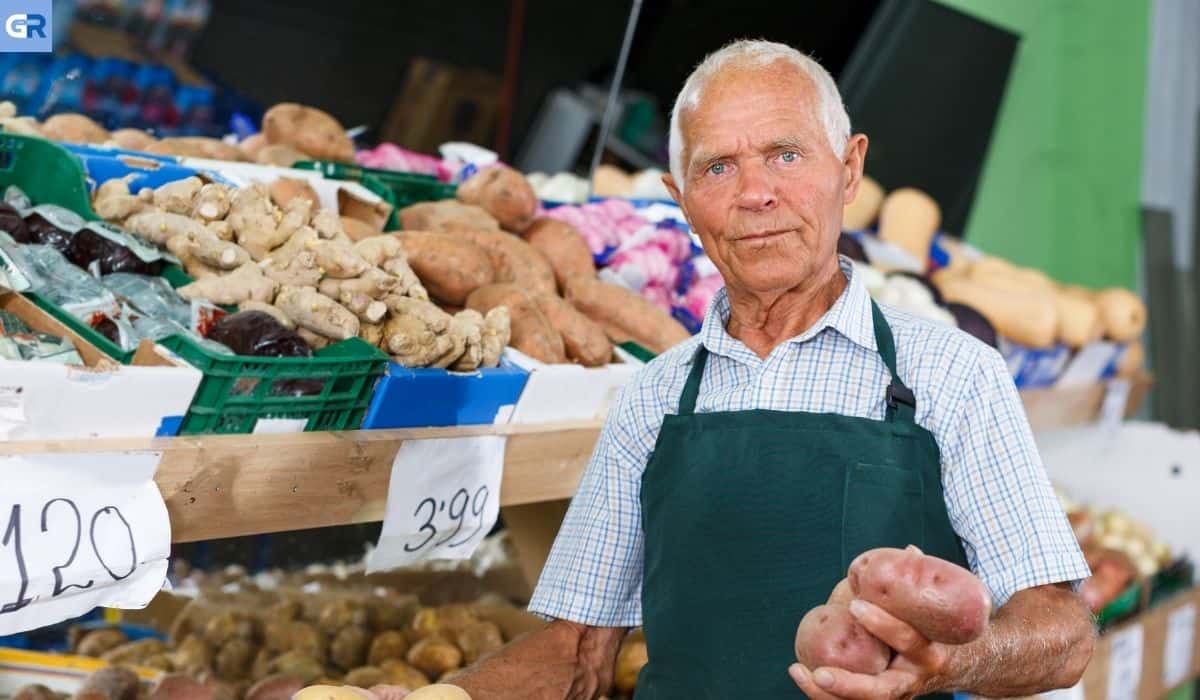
point(737, 93)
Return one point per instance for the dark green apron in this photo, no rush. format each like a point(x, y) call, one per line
point(752, 517)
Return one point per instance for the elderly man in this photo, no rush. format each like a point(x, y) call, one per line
point(740, 472)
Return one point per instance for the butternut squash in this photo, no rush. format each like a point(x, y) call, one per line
point(909, 218)
point(1078, 320)
point(1122, 313)
point(1132, 359)
point(1026, 318)
point(1002, 274)
point(862, 211)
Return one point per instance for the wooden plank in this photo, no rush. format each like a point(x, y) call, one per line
point(229, 485)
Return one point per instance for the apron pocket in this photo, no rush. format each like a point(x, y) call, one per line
point(882, 507)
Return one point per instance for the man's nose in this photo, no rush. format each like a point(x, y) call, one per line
point(755, 188)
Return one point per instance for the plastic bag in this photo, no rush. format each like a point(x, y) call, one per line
point(52, 225)
point(20, 342)
point(258, 333)
point(103, 249)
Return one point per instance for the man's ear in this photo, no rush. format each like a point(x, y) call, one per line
point(855, 159)
point(673, 188)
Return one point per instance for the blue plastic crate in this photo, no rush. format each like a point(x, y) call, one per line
point(103, 164)
point(417, 398)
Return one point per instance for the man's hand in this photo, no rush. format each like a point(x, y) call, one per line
point(1041, 639)
point(915, 670)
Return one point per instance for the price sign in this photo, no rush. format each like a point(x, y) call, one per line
point(1125, 663)
point(1177, 650)
point(78, 531)
point(443, 499)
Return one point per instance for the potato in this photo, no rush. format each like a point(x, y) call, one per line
point(131, 139)
point(162, 662)
point(285, 189)
point(343, 613)
point(308, 129)
point(478, 639)
point(134, 652)
point(532, 332)
point(564, 247)
point(502, 192)
point(262, 666)
point(229, 625)
point(181, 687)
point(944, 602)
point(631, 657)
point(327, 692)
point(280, 155)
point(74, 128)
point(449, 267)
point(425, 623)
point(627, 312)
point(98, 642)
point(193, 655)
point(842, 593)
point(349, 648)
point(387, 645)
point(308, 639)
point(403, 674)
point(455, 617)
point(299, 664)
point(34, 692)
point(434, 656)
point(584, 341)
point(392, 614)
point(830, 636)
point(440, 691)
point(111, 683)
point(235, 659)
point(365, 677)
point(277, 687)
point(448, 215)
point(516, 261)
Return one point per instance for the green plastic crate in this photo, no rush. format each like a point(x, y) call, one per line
point(237, 391)
point(396, 188)
point(1121, 607)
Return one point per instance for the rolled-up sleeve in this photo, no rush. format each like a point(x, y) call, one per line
point(998, 495)
point(594, 573)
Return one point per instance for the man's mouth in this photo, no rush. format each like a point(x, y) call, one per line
point(762, 235)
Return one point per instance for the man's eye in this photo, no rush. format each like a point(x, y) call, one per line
point(789, 156)
point(716, 168)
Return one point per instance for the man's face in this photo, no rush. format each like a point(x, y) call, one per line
point(764, 190)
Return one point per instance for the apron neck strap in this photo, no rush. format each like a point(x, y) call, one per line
point(687, 401)
point(901, 404)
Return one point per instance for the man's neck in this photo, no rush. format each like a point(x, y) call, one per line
point(762, 322)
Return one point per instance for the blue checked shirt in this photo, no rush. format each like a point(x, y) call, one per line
point(998, 496)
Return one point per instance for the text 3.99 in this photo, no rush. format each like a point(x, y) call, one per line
point(456, 509)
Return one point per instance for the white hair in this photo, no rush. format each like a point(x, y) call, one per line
point(759, 52)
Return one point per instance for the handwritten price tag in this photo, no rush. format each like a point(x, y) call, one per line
point(78, 531)
point(1177, 650)
point(1125, 663)
point(443, 499)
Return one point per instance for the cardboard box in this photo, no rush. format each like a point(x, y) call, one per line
point(44, 401)
point(427, 397)
point(556, 393)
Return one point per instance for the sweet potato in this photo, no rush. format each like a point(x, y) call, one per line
point(131, 139)
point(251, 145)
point(531, 332)
point(944, 602)
point(830, 636)
point(583, 340)
point(308, 129)
point(514, 260)
point(449, 267)
point(358, 230)
point(504, 193)
point(74, 128)
point(562, 245)
point(447, 215)
point(279, 154)
point(623, 312)
point(285, 189)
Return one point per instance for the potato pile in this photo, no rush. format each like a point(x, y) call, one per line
point(465, 252)
point(290, 133)
point(275, 251)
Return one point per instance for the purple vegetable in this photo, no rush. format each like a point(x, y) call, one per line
point(43, 232)
point(89, 246)
point(12, 223)
point(258, 333)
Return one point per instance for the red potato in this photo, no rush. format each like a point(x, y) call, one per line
point(829, 636)
point(944, 602)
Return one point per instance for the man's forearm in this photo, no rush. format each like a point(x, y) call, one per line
point(1041, 639)
point(563, 661)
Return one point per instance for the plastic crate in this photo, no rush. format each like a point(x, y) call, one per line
point(396, 188)
point(237, 391)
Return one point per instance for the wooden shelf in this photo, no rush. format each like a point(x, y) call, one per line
point(229, 485)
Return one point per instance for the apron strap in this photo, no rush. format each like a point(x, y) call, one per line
point(901, 404)
point(687, 401)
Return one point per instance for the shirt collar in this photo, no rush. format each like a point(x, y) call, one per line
point(850, 316)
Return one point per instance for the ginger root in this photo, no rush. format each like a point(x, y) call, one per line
point(302, 240)
point(497, 331)
point(468, 324)
point(338, 259)
point(411, 342)
point(204, 245)
point(318, 313)
point(328, 225)
point(114, 202)
point(158, 227)
point(316, 341)
point(269, 309)
point(179, 196)
point(300, 271)
point(254, 222)
point(212, 202)
point(371, 332)
point(247, 283)
point(437, 320)
point(378, 249)
point(410, 285)
point(374, 283)
point(220, 229)
point(363, 306)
